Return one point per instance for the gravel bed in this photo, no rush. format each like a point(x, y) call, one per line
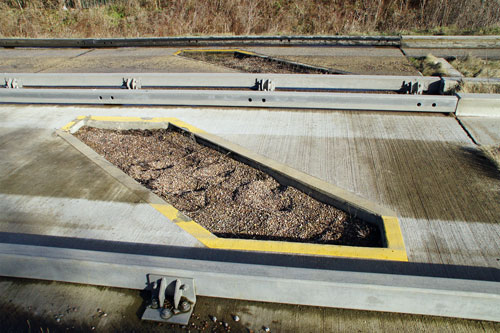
point(227, 197)
point(249, 64)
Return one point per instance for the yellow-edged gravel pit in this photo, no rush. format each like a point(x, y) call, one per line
point(227, 197)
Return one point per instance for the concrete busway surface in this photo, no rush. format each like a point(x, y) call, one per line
point(417, 165)
point(359, 60)
point(424, 167)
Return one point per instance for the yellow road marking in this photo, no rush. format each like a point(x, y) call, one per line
point(173, 121)
point(213, 51)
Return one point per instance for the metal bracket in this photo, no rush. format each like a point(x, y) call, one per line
point(412, 87)
point(131, 83)
point(11, 83)
point(265, 85)
point(172, 299)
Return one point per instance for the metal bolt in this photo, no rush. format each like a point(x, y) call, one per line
point(184, 306)
point(166, 313)
point(154, 303)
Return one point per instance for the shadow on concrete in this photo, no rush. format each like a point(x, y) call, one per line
point(270, 259)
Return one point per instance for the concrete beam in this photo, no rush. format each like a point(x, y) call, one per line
point(478, 105)
point(201, 41)
point(78, 263)
point(224, 80)
point(266, 99)
point(451, 42)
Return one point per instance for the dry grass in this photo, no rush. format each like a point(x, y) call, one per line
point(492, 153)
point(476, 67)
point(428, 66)
point(127, 18)
point(479, 88)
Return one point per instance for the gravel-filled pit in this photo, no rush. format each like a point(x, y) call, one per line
point(227, 197)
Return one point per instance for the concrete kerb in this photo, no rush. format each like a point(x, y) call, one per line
point(451, 42)
point(186, 41)
point(385, 219)
point(477, 105)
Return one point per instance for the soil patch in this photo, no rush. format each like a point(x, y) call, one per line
point(364, 65)
point(227, 197)
point(252, 64)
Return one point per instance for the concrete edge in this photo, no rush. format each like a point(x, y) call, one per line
point(385, 219)
point(478, 105)
point(405, 41)
point(393, 41)
point(458, 298)
point(451, 42)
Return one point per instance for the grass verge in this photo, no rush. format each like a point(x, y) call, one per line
point(127, 18)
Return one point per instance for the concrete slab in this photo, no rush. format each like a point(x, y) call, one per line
point(47, 187)
point(358, 60)
point(325, 51)
point(424, 167)
point(484, 130)
point(156, 60)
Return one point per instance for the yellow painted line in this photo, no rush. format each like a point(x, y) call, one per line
point(213, 51)
point(210, 240)
point(196, 230)
point(395, 244)
point(393, 233)
point(190, 128)
point(68, 126)
point(304, 248)
point(174, 121)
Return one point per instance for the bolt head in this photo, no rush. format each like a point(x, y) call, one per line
point(184, 306)
point(166, 314)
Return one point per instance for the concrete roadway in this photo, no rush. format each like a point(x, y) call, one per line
point(361, 60)
point(425, 167)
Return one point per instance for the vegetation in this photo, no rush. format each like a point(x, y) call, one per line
point(479, 88)
point(127, 18)
point(428, 66)
point(492, 153)
point(477, 67)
